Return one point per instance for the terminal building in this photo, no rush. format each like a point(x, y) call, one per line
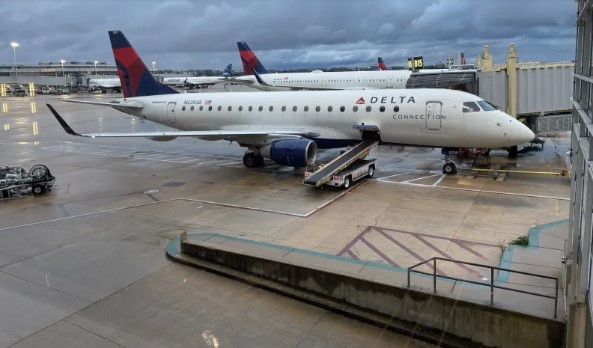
point(578, 252)
point(60, 73)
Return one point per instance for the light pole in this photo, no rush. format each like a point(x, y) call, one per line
point(14, 45)
point(153, 64)
point(96, 67)
point(63, 61)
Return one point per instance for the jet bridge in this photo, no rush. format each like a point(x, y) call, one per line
point(326, 172)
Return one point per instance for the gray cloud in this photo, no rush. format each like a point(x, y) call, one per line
point(287, 34)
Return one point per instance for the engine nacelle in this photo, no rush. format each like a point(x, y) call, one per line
point(291, 152)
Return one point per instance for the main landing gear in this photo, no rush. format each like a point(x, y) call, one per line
point(253, 160)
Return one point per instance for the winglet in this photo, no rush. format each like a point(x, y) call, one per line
point(63, 123)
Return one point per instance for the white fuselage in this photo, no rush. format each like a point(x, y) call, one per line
point(104, 83)
point(381, 79)
point(423, 117)
point(192, 80)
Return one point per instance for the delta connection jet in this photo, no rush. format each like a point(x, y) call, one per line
point(317, 80)
point(289, 127)
point(199, 81)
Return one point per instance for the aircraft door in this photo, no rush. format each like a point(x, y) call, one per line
point(171, 112)
point(389, 82)
point(433, 115)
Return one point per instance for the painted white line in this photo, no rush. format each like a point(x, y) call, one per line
point(391, 176)
point(438, 182)
point(244, 207)
point(470, 190)
point(424, 177)
point(85, 215)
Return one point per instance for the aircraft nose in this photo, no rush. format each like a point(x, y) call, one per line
point(520, 134)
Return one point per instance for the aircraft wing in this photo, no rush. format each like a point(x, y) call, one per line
point(115, 103)
point(237, 135)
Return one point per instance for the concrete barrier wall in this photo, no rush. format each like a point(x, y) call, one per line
point(474, 324)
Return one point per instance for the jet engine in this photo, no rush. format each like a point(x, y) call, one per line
point(291, 152)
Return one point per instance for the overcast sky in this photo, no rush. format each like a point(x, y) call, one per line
point(181, 34)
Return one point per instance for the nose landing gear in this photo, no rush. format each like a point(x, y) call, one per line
point(449, 168)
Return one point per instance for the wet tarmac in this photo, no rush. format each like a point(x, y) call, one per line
point(85, 264)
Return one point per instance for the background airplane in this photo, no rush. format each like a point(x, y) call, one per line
point(288, 127)
point(381, 64)
point(105, 84)
point(198, 81)
point(315, 80)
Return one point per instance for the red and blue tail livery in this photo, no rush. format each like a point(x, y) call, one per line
point(136, 80)
point(381, 64)
point(249, 60)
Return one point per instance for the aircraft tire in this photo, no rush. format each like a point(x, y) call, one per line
point(449, 168)
point(250, 160)
point(259, 161)
point(513, 151)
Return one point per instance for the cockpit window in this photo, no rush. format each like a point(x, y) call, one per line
point(470, 107)
point(486, 106)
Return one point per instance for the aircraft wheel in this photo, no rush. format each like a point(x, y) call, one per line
point(250, 160)
point(371, 171)
point(347, 182)
point(449, 168)
point(513, 151)
point(259, 161)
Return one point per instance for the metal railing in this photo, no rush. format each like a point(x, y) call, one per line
point(491, 285)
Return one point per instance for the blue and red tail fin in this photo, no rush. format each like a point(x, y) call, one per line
point(136, 80)
point(381, 64)
point(249, 60)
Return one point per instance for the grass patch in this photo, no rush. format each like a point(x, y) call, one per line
point(521, 240)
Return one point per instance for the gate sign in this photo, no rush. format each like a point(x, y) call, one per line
point(415, 63)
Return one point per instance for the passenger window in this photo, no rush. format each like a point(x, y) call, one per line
point(261, 108)
point(318, 108)
point(396, 108)
point(470, 107)
point(283, 108)
point(241, 108)
point(183, 108)
point(329, 108)
point(219, 108)
point(271, 108)
point(342, 108)
point(192, 108)
point(382, 108)
point(201, 108)
point(250, 108)
point(230, 108)
point(369, 108)
point(306, 108)
point(294, 108)
point(210, 108)
point(355, 108)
